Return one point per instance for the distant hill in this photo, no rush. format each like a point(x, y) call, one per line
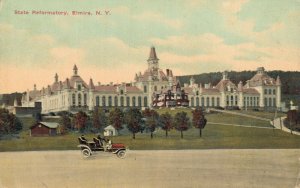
point(290, 79)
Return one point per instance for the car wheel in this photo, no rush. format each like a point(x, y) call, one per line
point(86, 153)
point(121, 154)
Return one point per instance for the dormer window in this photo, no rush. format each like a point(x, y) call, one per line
point(121, 92)
point(79, 87)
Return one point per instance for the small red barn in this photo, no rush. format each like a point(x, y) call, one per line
point(44, 129)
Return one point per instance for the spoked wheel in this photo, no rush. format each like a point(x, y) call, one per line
point(121, 154)
point(86, 153)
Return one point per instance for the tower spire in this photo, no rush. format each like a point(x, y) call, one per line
point(75, 70)
point(152, 55)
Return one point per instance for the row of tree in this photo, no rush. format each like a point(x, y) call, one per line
point(135, 121)
point(9, 123)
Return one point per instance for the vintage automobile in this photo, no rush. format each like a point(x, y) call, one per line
point(100, 144)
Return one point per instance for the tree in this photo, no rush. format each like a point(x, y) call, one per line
point(199, 120)
point(99, 118)
point(166, 122)
point(116, 118)
point(80, 120)
point(152, 118)
point(133, 119)
point(9, 123)
point(181, 122)
point(65, 123)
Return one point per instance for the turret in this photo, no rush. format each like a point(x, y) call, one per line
point(278, 81)
point(56, 78)
point(192, 81)
point(91, 84)
point(240, 86)
point(225, 75)
point(75, 70)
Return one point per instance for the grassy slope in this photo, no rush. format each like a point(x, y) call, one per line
point(214, 136)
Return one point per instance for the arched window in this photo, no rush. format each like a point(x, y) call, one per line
point(218, 101)
point(202, 101)
point(207, 101)
point(274, 102)
point(85, 99)
point(116, 101)
point(197, 101)
point(145, 89)
point(145, 101)
point(109, 101)
point(97, 101)
point(73, 99)
point(103, 101)
point(227, 100)
point(127, 101)
point(266, 102)
point(236, 100)
point(121, 92)
point(270, 91)
point(270, 102)
point(274, 92)
point(197, 92)
point(140, 101)
point(213, 101)
point(122, 100)
point(133, 101)
point(192, 101)
point(79, 99)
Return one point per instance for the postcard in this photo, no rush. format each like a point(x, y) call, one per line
point(110, 93)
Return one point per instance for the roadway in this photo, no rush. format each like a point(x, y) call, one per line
point(268, 168)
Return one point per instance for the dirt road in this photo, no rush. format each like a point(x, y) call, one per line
point(183, 168)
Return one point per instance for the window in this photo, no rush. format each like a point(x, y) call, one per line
point(270, 102)
point(197, 101)
point(127, 101)
point(85, 99)
point(202, 101)
point(140, 101)
point(236, 100)
point(266, 102)
point(97, 101)
point(155, 88)
point(274, 92)
point(213, 102)
point(274, 102)
point(73, 99)
point(116, 101)
point(145, 101)
point(192, 101)
point(218, 101)
point(122, 100)
point(79, 99)
point(266, 92)
point(207, 101)
point(145, 89)
point(109, 101)
point(227, 100)
point(79, 87)
point(103, 101)
point(122, 92)
point(133, 101)
point(270, 91)
point(197, 92)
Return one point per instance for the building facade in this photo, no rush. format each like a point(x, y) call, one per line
point(74, 94)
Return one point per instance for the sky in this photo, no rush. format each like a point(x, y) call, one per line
point(190, 37)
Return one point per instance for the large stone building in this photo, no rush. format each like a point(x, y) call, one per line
point(74, 94)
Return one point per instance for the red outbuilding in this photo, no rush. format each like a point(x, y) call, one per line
point(44, 129)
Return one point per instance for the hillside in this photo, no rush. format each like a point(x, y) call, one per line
point(290, 80)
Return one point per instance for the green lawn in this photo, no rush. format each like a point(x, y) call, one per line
point(213, 136)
